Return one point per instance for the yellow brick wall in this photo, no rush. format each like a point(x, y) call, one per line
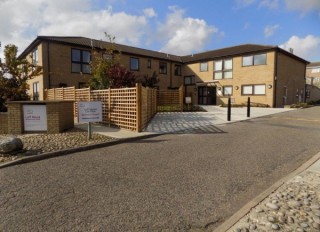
point(165, 80)
point(60, 68)
point(260, 74)
point(3, 123)
point(290, 74)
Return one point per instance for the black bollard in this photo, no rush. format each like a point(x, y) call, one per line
point(248, 108)
point(229, 109)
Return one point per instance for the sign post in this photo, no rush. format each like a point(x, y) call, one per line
point(89, 112)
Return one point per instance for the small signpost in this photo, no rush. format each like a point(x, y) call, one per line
point(89, 112)
point(188, 102)
point(35, 117)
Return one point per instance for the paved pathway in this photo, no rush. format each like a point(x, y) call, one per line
point(203, 122)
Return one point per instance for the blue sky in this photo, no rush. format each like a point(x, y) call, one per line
point(176, 27)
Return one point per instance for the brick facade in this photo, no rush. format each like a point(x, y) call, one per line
point(59, 116)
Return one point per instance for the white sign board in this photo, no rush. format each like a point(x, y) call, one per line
point(188, 100)
point(90, 111)
point(35, 117)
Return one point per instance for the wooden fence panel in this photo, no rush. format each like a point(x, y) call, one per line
point(103, 96)
point(128, 108)
point(170, 100)
point(123, 108)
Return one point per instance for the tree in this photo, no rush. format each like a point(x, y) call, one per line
point(103, 60)
point(150, 81)
point(14, 74)
point(120, 77)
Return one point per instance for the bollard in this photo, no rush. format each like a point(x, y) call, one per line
point(229, 109)
point(248, 108)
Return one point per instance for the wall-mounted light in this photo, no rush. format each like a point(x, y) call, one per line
point(237, 87)
point(269, 86)
point(195, 89)
point(219, 88)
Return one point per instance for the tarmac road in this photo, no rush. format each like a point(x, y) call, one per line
point(181, 182)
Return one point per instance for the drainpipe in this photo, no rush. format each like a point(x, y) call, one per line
point(48, 63)
point(305, 84)
point(275, 77)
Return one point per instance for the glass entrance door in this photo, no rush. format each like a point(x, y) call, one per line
point(207, 95)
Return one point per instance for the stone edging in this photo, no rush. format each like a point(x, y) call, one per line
point(251, 204)
point(48, 155)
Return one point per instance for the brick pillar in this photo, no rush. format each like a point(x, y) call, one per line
point(15, 118)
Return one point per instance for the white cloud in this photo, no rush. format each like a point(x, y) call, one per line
point(244, 3)
point(149, 12)
point(184, 34)
point(22, 21)
point(270, 30)
point(307, 48)
point(271, 4)
point(303, 6)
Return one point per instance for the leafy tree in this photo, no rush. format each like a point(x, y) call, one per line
point(120, 77)
point(102, 61)
point(150, 81)
point(14, 74)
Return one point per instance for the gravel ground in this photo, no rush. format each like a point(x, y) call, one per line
point(295, 206)
point(34, 144)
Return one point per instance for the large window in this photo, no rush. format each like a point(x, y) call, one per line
point(227, 90)
point(134, 64)
point(189, 80)
point(253, 90)
point(162, 67)
point(177, 70)
point(254, 60)
point(204, 67)
point(80, 61)
point(223, 69)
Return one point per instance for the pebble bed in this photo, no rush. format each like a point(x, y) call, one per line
point(34, 144)
point(295, 206)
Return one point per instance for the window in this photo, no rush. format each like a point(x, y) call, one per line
point(177, 70)
point(223, 69)
point(80, 61)
point(149, 63)
point(253, 89)
point(204, 67)
point(35, 91)
point(163, 68)
point(315, 70)
point(227, 90)
point(134, 64)
point(35, 57)
point(189, 80)
point(254, 60)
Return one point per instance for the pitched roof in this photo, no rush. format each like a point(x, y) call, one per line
point(209, 55)
point(89, 43)
point(313, 64)
point(226, 52)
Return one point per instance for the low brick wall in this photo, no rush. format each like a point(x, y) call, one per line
point(3, 123)
point(59, 116)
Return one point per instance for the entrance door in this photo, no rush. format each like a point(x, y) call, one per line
point(207, 95)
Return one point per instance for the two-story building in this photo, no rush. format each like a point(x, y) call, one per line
point(313, 82)
point(267, 74)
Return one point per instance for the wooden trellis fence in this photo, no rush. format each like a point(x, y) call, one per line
point(170, 100)
point(128, 108)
